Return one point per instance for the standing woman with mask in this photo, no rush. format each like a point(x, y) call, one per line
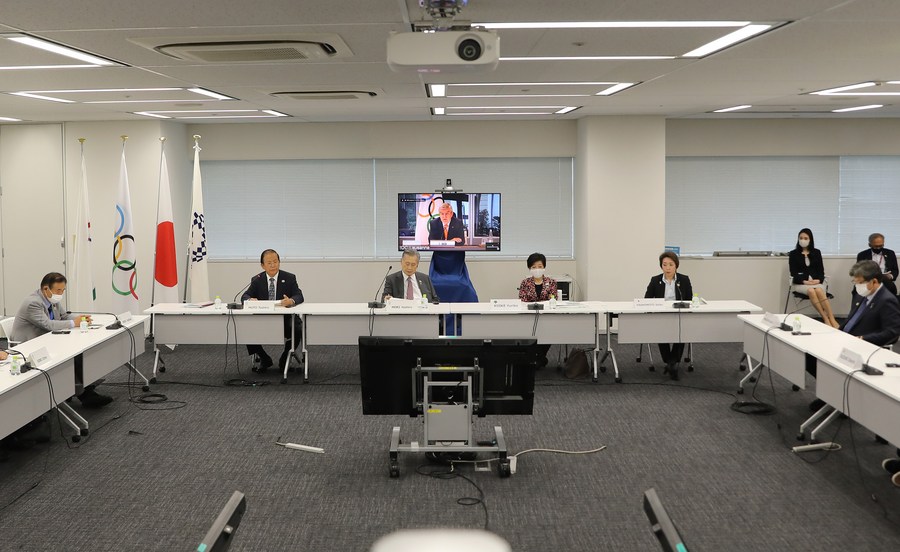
point(808, 275)
point(537, 287)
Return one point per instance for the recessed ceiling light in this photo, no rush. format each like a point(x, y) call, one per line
point(25, 67)
point(55, 48)
point(612, 24)
point(437, 110)
point(210, 93)
point(275, 113)
point(150, 114)
point(727, 40)
point(585, 58)
point(858, 108)
point(565, 110)
point(735, 108)
point(615, 88)
point(45, 95)
point(41, 97)
point(10, 120)
point(482, 96)
point(437, 90)
point(846, 90)
point(508, 107)
point(214, 114)
point(503, 113)
point(570, 83)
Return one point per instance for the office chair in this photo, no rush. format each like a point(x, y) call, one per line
point(688, 358)
point(800, 297)
point(6, 326)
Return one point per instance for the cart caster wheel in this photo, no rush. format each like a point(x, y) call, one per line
point(503, 469)
point(594, 380)
point(145, 388)
point(619, 379)
point(651, 368)
point(283, 381)
point(162, 369)
point(740, 391)
point(801, 436)
point(638, 359)
point(795, 388)
point(305, 380)
point(690, 367)
point(152, 380)
point(394, 471)
point(76, 438)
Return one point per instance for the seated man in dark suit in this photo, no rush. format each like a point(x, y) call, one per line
point(885, 258)
point(446, 226)
point(874, 312)
point(274, 284)
point(41, 313)
point(408, 283)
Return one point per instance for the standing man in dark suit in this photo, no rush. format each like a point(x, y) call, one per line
point(875, 312)
point(886, 260)
point(447, 226)
point(408, 283)
point(274, 284)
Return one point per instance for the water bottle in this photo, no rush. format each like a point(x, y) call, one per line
point(83, 326)
point(552, 302)
point(15, 368)
point(423, 302)
point(796, 326)
point(695, 301)
point(218, 303)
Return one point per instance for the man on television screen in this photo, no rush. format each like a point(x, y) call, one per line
point(446, 227)
point(408, 283)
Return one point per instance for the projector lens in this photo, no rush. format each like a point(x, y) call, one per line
point(469, 49)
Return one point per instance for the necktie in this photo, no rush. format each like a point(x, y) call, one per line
point(445, 232)
point(856, 316)
point(50, 309)
point(271, 289)
point(409, 288)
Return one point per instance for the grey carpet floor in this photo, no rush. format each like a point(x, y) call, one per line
point(155, 478)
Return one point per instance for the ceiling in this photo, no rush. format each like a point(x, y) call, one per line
point(814, 45)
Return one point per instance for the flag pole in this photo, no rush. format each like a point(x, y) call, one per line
point(187, 254)
point(162, 148)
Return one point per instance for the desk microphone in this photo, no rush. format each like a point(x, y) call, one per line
point(376, 304)
point(26, 366)
point(114, 326)
point(678, 304)
point(234, 305)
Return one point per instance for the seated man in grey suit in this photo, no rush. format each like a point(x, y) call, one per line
point(40, 313)
point(407, 283)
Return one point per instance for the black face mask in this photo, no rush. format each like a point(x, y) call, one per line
point(877, 250)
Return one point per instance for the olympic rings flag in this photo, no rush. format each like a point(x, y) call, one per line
point(197, 251)
point(124, 253)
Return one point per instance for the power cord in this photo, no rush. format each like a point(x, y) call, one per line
point(441, 473)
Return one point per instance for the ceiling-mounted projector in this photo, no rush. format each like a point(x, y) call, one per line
point(444, 51)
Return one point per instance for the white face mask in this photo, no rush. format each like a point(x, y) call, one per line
point(56, 299)
point(537, 272)
point(862, 290)
point(803, 243)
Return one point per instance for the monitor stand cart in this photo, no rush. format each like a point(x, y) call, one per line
point(448, 425)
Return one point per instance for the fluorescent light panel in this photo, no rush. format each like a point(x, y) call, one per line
point(25, 67)
point(43, 95)
point(40, 97)
point(198, 114)
point(858, 108)
point(55, 48)
point(847, 90)
point(612, 24)
point(615, 88)
point(727, 40)
point(735, 108)
point(565, 110)
point(10, 120)
point(585, 58)
point(440, 90)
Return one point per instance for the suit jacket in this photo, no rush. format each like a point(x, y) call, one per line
point(890, 265)
point(656, 289)
point(528, 292)
point(33, 318)
point(880, 323)
point(395, 286)
point(454, 230)
point(801, 272)
point(285, 284)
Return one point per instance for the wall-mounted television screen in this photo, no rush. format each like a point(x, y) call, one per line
point(449, 222)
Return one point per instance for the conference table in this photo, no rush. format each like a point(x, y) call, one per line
point(638, 322)
point(77, 358)
point(872, 401)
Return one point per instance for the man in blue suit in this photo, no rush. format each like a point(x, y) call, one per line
point(274, 284)
point(875, 312)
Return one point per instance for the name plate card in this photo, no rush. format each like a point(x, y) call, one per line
point(851, 359)
point(260, 306)
point(642, 302)
point(771, 320)
point(507, 305)
point(398, 304)
point(125, 317)
point(39, 358)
